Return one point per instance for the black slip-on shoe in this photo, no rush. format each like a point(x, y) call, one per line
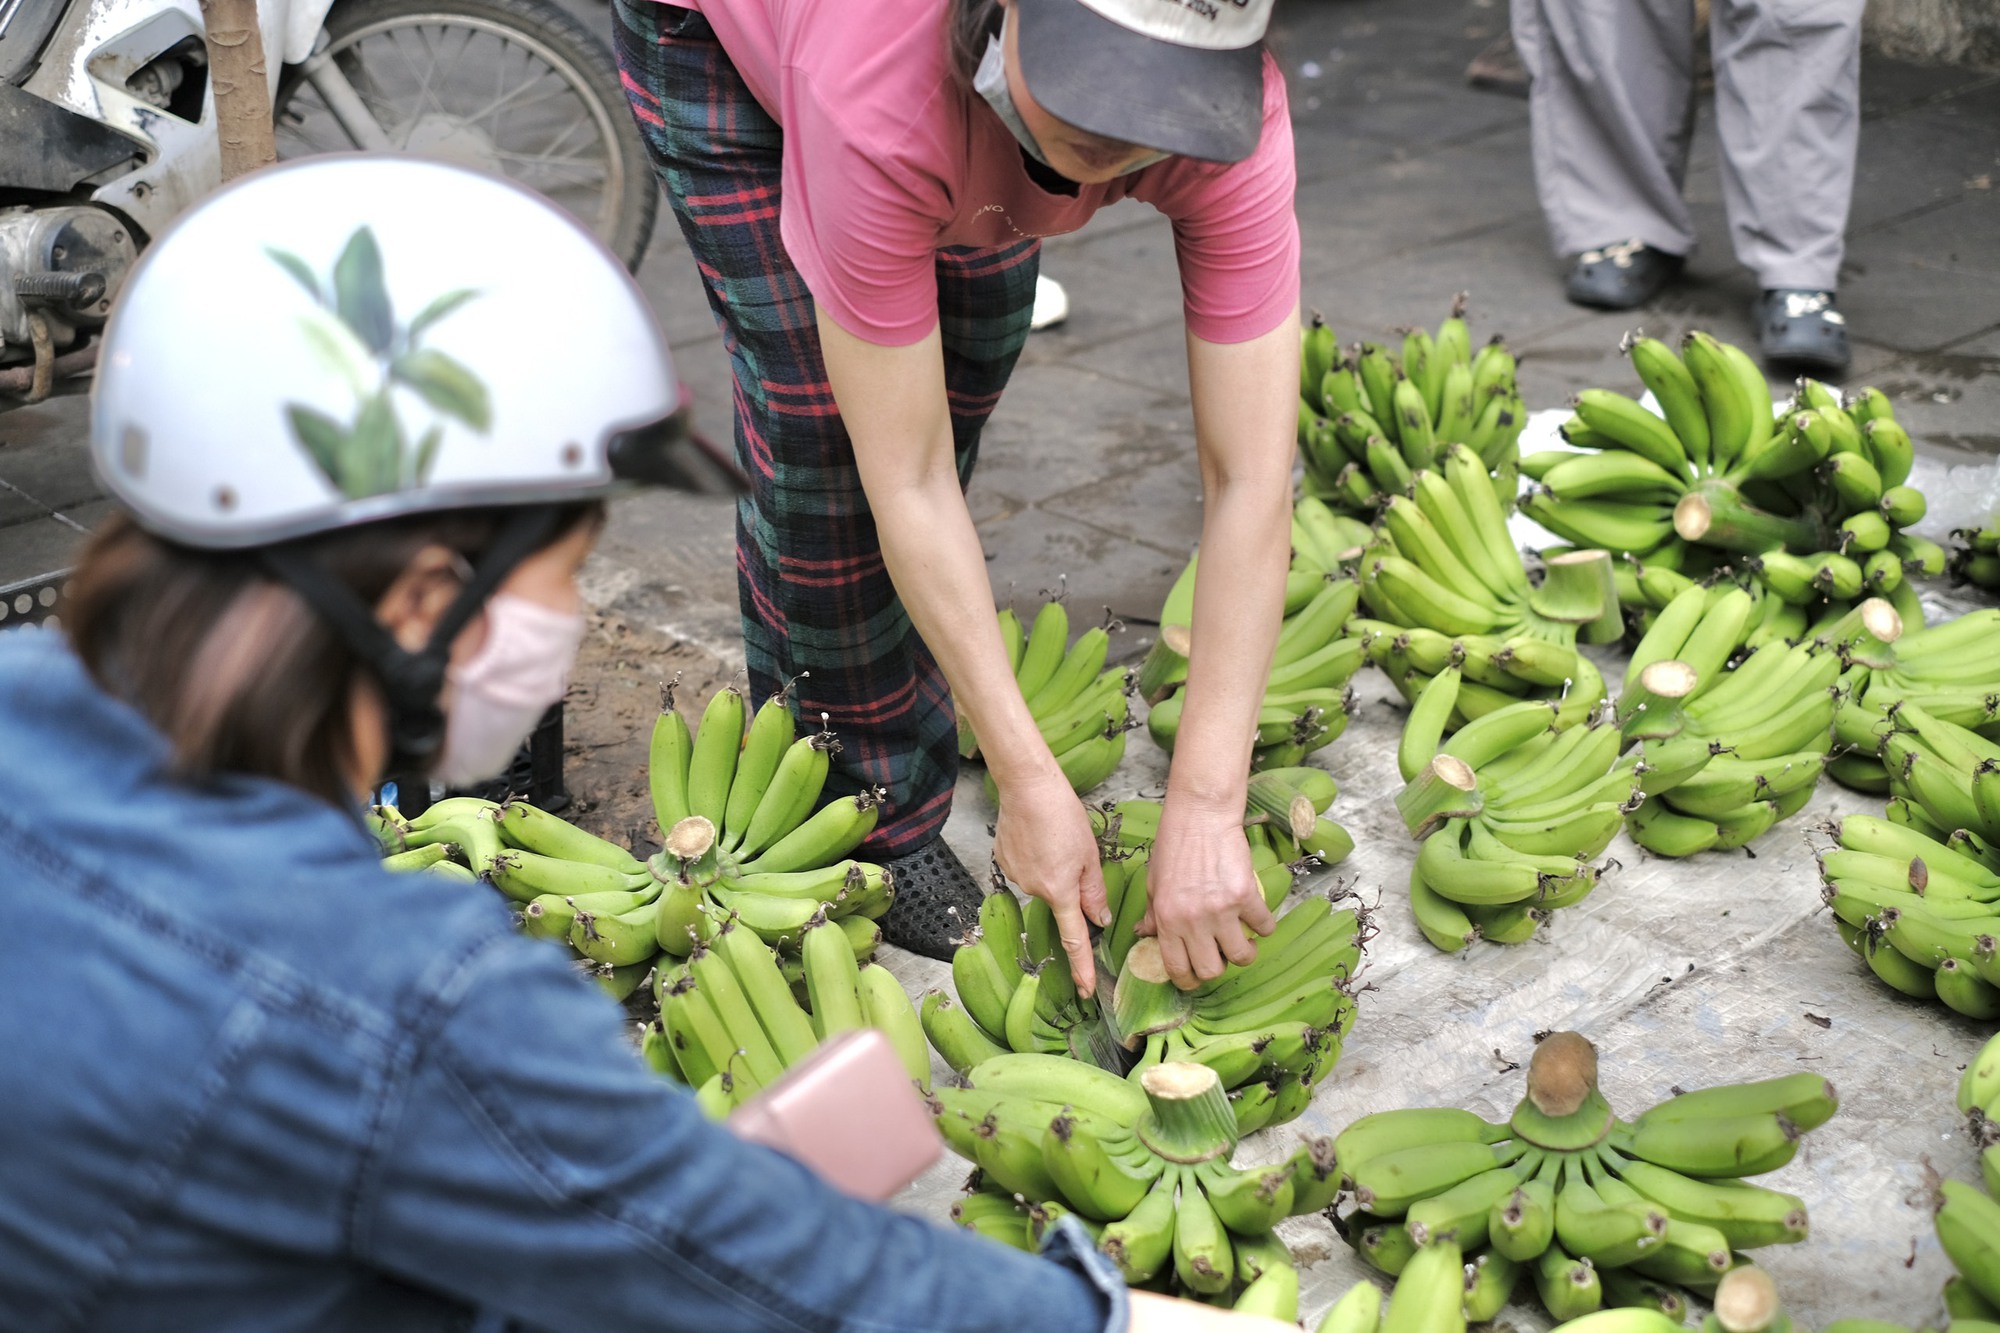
point(1803, 330)
point(1622, 275)
point(937, 901)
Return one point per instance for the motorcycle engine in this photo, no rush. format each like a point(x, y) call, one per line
point(63, 264)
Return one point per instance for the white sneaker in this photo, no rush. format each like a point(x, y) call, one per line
point(1051, 303)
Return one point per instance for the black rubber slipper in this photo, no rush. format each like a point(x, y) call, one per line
point(937, 902)
point(1803, 330)
point(1621, 275)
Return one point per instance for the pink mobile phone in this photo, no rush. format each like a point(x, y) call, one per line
point(850, 1112)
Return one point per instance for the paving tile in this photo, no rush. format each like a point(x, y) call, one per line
point(1035, 551)
point(43, 545)
point(1892, 86)
point(1929, 281)
point(1120, 278)
point(1945, 399)
point(1039, 443)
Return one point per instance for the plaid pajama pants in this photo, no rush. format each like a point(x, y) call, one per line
point(815, 595)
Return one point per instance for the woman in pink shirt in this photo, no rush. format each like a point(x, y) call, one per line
point(865, 187)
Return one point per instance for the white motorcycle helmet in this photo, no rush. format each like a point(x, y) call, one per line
point(354, 338)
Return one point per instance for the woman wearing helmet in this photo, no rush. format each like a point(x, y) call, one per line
point(865, 190)
point(252, 1080)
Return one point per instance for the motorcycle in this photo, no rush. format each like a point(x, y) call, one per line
point(107, 131)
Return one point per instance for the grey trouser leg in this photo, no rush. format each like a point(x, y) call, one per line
point(1788, 109)
point(1611, 107)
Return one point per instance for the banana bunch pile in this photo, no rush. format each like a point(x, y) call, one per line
point(1977, 559)
point(1510, 813)
point(1306, 701)
point(1368, 422)
point(1950, 672)
point(1079, 705)
point(1814, 502)
point(1594, 1210)
point(1448, 587)
point(1722, 755)
point(1143, 1164)
point(730, 1022)
point(1270, 1030)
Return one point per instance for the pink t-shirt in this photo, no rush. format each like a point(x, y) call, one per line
point(886, 160)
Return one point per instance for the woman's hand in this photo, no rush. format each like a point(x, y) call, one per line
point(1044, 842)
point(1203, 892)
point(1163, 1314)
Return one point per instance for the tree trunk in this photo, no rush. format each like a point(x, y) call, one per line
point(242, 90)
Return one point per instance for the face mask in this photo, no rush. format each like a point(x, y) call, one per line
point(501, 693)
point(990, 82)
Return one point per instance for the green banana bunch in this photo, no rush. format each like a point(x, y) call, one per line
point(1080, 706)
point(745, 833)
point(1976, 557)
point(730, 1022)
point(1144, 1164)
point(1448, 587)
point(1947, 775)
point(1946, 670)
point(1811, 502)
point(1285, 824)
point(1270, 1030)
point(1723, 755)
point(1509, 812)
point(1369, 421)
point(1967, 1221)
point(1014, 990)
point(1923, 914)
point(1979, 1099)
point(1306, 702)
point(1569, 1194)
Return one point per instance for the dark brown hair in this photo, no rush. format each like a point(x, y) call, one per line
point(967, 28)
point(230, 664)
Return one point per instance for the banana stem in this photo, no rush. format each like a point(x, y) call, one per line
point(1447, 788)
point(1578, 589)
point(1165, 664)
point(1145, 1001)
point(1746, 1300)
point(1716, 514)
point(1190, 1120)
point(1650, 710)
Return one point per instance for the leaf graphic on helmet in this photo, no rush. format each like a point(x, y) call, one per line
point(352, 332)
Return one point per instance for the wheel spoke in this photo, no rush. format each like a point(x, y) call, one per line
point(470, 91)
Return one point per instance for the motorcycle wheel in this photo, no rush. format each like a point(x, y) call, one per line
point(518, 88)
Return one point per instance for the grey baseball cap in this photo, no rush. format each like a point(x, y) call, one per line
point(1180, 76)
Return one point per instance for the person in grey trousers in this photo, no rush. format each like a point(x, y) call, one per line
point(1612, 111)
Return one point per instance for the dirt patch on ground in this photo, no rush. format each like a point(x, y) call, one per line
point(614, 695)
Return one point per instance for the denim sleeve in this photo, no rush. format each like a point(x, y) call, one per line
point(527, 1163)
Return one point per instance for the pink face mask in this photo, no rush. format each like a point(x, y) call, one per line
point(501, 693)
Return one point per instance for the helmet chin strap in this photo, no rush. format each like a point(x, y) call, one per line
point(412, 682)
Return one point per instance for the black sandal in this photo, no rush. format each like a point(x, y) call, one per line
point(937, 902)
point(1622, 275)
point(1801, 329)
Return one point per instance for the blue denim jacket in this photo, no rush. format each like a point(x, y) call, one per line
point(252, 1081)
